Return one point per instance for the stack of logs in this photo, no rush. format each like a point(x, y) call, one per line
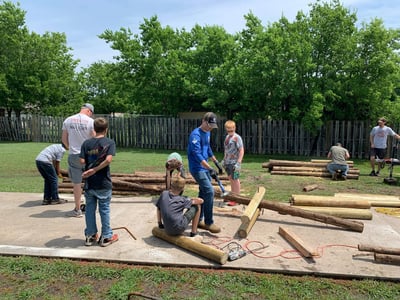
point(315, 167)
point(138, 183)
point(344, 205)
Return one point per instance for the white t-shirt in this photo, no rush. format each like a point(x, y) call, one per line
point(80, 128)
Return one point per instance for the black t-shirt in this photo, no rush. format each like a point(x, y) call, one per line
point(94, 151)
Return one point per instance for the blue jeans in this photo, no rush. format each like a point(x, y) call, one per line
point(103, 198)
point(206, 192)
point(333, 167)
point(49, 174)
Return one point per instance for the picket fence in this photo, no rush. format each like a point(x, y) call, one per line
point(163, 133)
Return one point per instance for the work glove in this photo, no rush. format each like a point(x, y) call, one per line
point(237, 167)
point(213, 174)
point(220, 171)
point(223, 163)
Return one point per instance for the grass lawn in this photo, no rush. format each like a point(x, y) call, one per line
point(38, 278)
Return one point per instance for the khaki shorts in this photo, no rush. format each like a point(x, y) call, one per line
point(75, 168)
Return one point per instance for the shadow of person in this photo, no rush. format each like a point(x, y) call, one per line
point(65, 242)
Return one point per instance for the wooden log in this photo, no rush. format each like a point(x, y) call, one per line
point(328, 201)
point(310, 187)
point(315, 174)
point(387, 258)
point(290, 210)
point(310, 169)
point(245, 228)
point(297, 243)
point(374, 197)
point(190, 245)
point(253, 205)
point(124, 185)
point(274, 162)
point(327, 161)
point(341, 212)
point(374, 200)
point(377, 249)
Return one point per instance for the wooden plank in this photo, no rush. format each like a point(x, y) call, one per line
point(297, 243)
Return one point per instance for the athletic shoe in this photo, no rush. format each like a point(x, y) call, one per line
point(91, 239)
point(334, 176)
point(211, 228)
point(344, 177)
point(75, 213)
point(59, 201)
point(377, 173)
point(104, 242)
point(372, 173)
point(197, 238)
point(46, 202)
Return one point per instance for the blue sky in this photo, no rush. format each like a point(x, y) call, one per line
point(83, 20)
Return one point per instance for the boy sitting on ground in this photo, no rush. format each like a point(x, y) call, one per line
point(175, 212)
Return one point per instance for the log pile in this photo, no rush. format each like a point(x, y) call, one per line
point(138, 183)
point(315, 168)
point(345, 205)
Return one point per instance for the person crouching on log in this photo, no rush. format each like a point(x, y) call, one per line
point(174, 162)
point(175, 212)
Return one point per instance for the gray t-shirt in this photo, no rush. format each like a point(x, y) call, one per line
point(380, 135)
point(171, 207)
point(338, 155)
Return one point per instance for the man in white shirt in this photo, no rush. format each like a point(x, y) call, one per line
point(76, 129)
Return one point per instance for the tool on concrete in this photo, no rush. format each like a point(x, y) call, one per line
point(236, 251)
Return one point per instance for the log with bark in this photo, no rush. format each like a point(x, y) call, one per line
point(286, 209)
point(345, 213)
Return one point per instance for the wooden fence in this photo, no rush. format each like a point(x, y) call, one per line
point(152, 132)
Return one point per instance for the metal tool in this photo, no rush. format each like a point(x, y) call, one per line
point(216, 178)
point(235, 254)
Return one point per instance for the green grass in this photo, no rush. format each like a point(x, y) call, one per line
point(38, 278)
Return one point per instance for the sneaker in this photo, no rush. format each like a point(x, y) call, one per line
point(59, 201)
point(211, 228)
point(91, 239)
point(334, 176)
point(75, 213)
point(344, 177)
point(104, 242)
point(232, 203)
point(197, 238)
point(46, 202)
point(372, 173)
point(377, 173)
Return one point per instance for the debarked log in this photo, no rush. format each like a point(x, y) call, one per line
point(328, 201)
point(290, 210)
point(305, 173)
point(193, 246)
point(308, 169)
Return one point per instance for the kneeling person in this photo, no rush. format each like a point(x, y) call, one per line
point(175, 212)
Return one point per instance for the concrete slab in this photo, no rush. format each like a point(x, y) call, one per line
point(28, 228)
